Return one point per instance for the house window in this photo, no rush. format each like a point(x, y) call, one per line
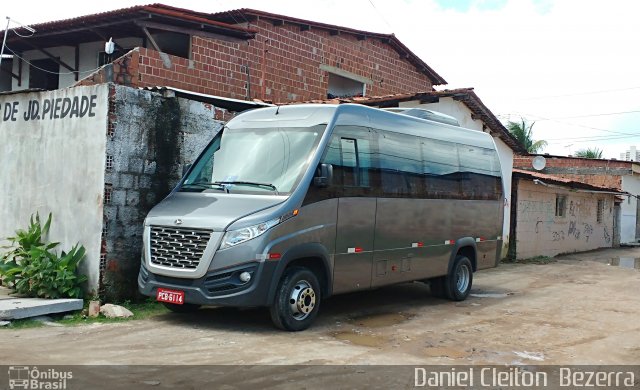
point(561, 205)
point(44, 74)
point(600, 213)
point(340, 87)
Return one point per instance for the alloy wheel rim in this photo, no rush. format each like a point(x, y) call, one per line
point(302, 300)
point(462, 278)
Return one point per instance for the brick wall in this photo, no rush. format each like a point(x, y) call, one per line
point(281, 64)
point(598, 172)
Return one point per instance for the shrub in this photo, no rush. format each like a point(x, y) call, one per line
point(33, 268)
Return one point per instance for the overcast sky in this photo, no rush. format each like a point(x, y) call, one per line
point(572, 66)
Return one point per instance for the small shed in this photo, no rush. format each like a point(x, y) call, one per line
point(553, 215)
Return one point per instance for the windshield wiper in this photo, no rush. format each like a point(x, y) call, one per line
point(250, 183)
point(206, 185)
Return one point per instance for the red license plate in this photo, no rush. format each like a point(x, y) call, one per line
point(170, 296)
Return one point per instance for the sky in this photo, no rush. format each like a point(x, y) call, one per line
point(571, 67)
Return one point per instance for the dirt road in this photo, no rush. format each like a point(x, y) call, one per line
point(578, 310)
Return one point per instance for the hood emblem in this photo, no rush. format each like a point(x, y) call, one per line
point(178, 221)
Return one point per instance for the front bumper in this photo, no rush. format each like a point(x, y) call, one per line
point(220, 287)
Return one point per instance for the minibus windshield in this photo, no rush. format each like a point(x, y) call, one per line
point(263, 160)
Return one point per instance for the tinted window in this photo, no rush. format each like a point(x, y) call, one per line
point(370, 162)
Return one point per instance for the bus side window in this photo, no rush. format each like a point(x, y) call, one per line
point(349, 161)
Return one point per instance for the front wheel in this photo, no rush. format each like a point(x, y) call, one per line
point(456, 285)
point(297, 300)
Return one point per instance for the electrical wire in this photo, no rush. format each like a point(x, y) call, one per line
point(20, 35)
point(46, 70)
point(603, 139)
point(380, 15)
point(521, 114)
point(579, 93)
point(602, 114)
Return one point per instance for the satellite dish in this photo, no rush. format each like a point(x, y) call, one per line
point(539, 163)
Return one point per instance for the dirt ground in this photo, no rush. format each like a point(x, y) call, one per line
point(577, 310)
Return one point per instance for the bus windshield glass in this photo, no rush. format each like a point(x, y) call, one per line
point(264, 160)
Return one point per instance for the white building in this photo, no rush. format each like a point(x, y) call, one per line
point(630, 155)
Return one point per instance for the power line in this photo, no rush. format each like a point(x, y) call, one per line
point(602, 114)
point(46, 70)
point(602, 139)
point(570, 123)
point(579, 93)
point(380, 15)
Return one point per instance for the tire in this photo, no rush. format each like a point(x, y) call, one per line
point(456, 285)
point(437, 287)
point(184, 308)
point(297, 300)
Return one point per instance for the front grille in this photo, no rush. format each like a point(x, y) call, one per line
point(177, 247)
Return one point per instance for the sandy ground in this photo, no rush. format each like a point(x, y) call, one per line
point(578, 310)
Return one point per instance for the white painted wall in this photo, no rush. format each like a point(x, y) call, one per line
point(628, 209)
point(55, 165)
point(88, 61)
point(460, 111)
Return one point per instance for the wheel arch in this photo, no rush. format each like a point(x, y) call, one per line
point(312, 256)
point(466, 247)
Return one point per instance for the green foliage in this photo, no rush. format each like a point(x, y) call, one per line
point(32, 267)
point(589, 153)
point(523, 132)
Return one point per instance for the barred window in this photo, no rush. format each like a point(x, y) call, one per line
point(600, 213)
point(561, 205)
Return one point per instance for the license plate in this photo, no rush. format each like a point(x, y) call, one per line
point(170, 296)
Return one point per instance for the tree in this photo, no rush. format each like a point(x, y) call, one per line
point(589, 153)
point(523, 133)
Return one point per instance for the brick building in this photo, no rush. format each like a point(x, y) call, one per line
point(621, 175)
point(242, 54)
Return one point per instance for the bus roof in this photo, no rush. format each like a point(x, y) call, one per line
point(307, 115)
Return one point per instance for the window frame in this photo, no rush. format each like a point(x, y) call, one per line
point(600, 211)
point(561, 199)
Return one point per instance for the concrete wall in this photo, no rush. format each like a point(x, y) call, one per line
point(540, 233)
point(460, 111)
point(623, 175)
point(151, 137)
point(629, 209)
point(56, 165)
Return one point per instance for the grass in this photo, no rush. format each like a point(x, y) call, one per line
point(140, 311)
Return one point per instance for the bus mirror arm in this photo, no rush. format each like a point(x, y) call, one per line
point(323, 176)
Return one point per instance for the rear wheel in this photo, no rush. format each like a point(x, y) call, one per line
point(184, 308)
point(297, 300)
point(457, 284)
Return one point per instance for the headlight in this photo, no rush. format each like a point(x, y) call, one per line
point(235, 237)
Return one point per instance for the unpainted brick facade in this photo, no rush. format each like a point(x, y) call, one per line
point(604, 173)
point(282, 64)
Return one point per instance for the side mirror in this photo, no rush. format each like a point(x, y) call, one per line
point(323, 176)
point(185, 169)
